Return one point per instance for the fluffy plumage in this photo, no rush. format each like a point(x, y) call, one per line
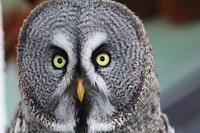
point(121, 96)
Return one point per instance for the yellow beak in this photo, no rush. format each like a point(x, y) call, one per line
point(80, 89)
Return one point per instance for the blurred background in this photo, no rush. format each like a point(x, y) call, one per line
point(173, 27)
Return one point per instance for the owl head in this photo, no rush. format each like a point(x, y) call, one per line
point(83, 65)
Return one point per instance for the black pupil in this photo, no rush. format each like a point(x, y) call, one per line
point(59, 60)
point(102, 58)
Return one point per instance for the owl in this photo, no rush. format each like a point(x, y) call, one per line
point(86, 66)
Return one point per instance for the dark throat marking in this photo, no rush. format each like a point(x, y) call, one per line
point(81, 115)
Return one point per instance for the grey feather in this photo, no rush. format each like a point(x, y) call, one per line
point(122, 96)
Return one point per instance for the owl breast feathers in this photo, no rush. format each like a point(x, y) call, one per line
point(86, 66)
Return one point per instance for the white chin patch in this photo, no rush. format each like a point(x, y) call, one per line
point(64, 113)
point(66, 127)
point(101, 110)
point(95, 126)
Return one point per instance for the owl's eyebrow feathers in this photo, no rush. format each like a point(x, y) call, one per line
point(93, 42)
point(61, 40)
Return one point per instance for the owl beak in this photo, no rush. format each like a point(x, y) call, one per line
point(80, 89)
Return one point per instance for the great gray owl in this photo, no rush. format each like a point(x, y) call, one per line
point(86, 66)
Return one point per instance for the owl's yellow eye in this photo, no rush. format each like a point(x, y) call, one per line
point(59, 61)
point(103, 59)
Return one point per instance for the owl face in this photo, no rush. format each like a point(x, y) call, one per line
point(81, 65)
